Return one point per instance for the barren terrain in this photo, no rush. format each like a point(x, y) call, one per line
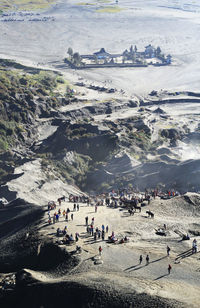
point(172, 25)
point(91, 131)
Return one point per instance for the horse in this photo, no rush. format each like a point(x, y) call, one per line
point(150, 214)
point(130, 212)
point(132, 204)
point(137, 208)
point(62, 198)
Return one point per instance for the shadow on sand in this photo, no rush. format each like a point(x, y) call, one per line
point(161, 276)
point(131, 267)
point(185, 254)
point(93, 242)
point(137, 266)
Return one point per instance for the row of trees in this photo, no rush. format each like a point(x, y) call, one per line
point(75, 58)
point(133, 51)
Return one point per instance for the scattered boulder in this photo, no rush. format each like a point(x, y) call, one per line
point(171, 133)
point(159, 110)
point(153, 93)
point(3, 202)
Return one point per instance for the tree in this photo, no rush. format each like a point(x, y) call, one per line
point(135, 48)
point(95, 59)
point(133, 58)
point(158, 50)
point(70, 52)
point(76, 58)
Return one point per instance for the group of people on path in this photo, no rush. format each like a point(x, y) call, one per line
point(67, 238)
point(141, 259)
point(148, 260)
point(95, 232)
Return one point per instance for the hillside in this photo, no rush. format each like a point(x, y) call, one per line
point(96, 144)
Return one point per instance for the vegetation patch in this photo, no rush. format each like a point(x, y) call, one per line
point(25, 5)
point(104, 1)
point(72, 171)
point(94, 3)
point(109, 9)
point(25, 94)
point(141, 139)
point(85, 3)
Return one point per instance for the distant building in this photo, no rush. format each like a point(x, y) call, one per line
point(150, 51)
point(128, 58)
point(169, 59)
point(125, 53)
point(102, 54)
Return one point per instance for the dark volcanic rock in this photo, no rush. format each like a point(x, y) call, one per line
point(171, 133)
point(52, 295)
point(17, 220)
point(159, 110)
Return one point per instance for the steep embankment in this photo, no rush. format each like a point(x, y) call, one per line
point(94, 144)
point(90, 293)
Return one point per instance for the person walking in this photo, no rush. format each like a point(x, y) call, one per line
point(194, 246)
point(99, 233)
point(57, 217)
point(168, 250)
point(86, 220)
point(72, 216)
point(169, 269)
point(147, 259)
point(140, 259)
point(92, 229)
point(100, 250)
point(77, 236)
point(77, 207)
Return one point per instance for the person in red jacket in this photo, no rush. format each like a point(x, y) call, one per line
point(100, 250)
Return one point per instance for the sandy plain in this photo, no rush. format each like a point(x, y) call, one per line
point(172, 25)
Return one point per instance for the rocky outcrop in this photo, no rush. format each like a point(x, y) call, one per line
point(83, 143)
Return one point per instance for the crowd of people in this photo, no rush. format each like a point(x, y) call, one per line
point(93, 231)
point(55, 213)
